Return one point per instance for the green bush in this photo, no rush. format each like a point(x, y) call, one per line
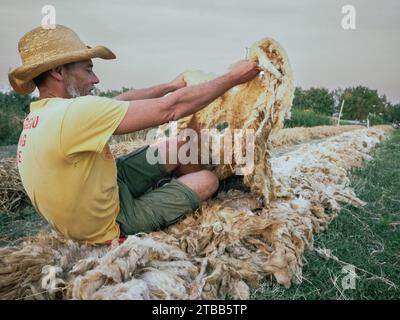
point(10, 127)
point(307, 118)
point(375, 120)
point(4, 126)
point(13, 109)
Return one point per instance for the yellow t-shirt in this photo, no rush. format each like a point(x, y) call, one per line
point(67, 168)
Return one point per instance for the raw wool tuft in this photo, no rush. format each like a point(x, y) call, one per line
point(133, 289)
point(139, 258)
point(125, 147)
point(260, 105)
point(221, 251)
point(34, 269)
point(291, 136)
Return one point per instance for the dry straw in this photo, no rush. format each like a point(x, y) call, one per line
point(12, 193)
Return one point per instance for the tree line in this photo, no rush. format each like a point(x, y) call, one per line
point(359, 103)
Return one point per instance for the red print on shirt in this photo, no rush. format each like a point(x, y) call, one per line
point(31, 122)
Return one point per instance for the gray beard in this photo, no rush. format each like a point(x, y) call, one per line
point(72, 88)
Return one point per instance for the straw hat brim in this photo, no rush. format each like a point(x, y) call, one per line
point(21, 78)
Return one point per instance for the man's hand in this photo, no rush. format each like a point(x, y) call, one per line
point(178, 82)
point(244, 70)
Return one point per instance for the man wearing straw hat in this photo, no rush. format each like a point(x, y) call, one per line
point(63, 157)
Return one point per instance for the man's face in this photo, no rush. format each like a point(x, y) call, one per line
point(80, 79)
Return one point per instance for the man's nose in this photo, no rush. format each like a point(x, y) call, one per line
point(95, 80)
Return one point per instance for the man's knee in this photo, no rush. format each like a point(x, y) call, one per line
point(212, 181)
point(204, 183)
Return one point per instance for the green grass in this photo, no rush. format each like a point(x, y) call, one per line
point(344, 122)
point(368, 238)
point(14, 225)
point(307, 118)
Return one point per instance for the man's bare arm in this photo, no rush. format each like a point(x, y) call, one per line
point(153, 92)
point(149, 113)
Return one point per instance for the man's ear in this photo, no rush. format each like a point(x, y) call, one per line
point(57, 73)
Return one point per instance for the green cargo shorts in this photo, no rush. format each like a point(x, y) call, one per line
point(144, 208)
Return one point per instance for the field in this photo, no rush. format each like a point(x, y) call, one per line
point(366, 237)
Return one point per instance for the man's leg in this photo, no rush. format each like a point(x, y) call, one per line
point(165, 205)
point(203, 182)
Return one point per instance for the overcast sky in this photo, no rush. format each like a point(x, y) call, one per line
point(155, 40)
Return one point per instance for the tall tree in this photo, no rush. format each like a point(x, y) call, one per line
point(361, 101)
point(320, 100)
point(298, 100)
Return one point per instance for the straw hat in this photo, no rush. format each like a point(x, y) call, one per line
point(43, 49)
